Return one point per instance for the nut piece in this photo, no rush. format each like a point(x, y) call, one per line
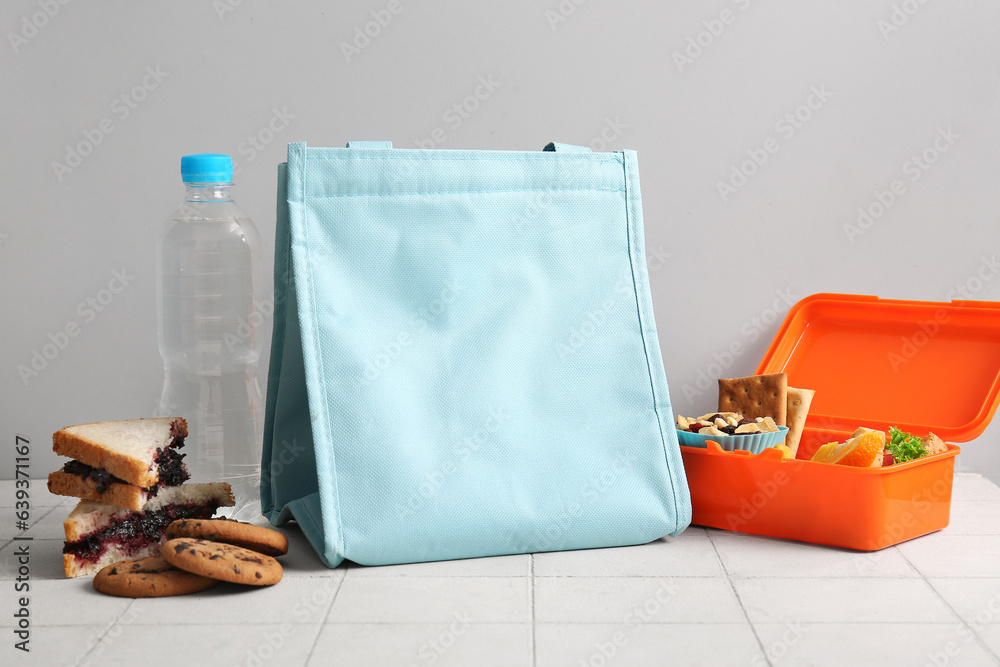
point(683, 422)
point(748, 428)
point(720, 423)
point(768, 425)
point(705, 416)
point(733, 419)
point(710, 430)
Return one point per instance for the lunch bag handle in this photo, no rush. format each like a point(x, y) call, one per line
point(552, 146)
point(369, 145)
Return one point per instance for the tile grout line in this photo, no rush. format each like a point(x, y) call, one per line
point(107, 629)
point(913, 568)
point(739, 600)
point(531, 607)
point(958, 616)
point(319, 630)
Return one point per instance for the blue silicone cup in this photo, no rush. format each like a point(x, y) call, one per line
point(755, 443)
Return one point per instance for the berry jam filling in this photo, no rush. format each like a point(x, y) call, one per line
point(178, 431)
point(135, 530)
point(169, 462)
point(170, 465)
point(103, 478)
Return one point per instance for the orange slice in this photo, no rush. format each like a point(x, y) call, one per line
point(829, 453)
point(863, 451)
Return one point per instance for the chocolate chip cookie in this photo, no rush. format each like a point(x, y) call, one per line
point(222, 561)
point(256, 538)
point(150, 577)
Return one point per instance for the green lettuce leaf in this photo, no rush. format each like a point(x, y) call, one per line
point(904, 446)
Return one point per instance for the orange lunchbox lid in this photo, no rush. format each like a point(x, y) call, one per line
point(918, 365)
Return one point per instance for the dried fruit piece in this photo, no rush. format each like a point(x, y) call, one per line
point(786, 452)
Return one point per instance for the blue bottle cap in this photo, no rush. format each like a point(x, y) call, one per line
point(207, 168)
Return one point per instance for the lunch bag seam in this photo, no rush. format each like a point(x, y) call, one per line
point(404, 153)
point(288, 284)
point(630, 227)
point(341, 548)
point(460, 192)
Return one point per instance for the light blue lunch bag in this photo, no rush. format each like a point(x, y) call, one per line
point(464, 360)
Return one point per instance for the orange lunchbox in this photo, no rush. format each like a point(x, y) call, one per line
point(917, 365)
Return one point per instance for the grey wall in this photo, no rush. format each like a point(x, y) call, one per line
point(137, 85)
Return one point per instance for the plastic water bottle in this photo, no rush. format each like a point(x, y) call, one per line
point(208, 300)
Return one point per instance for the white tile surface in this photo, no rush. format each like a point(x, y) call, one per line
point(38, 495)
point(68, 602)
point(973, 517)
point(499, 566)
point(188, 644)
point(841, 600)
point(989, 636)
point(45, 559)
point(55, 645)
point(756, 556)
point(297, 600)
point(432, 599)
point(975, 600)
point(941, 555)
point(711, 645)
point(49, 526)
point(937, 644)
point(971, 486)
point(707, 597)
point(40, 522)
point(689, 554)
point(457, 643)
point(621, 599)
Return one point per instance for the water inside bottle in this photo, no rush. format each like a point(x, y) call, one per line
point(210, 349)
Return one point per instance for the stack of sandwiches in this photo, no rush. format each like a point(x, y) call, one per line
point(130, 478)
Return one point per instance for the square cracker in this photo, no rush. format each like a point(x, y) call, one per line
point(756, 396)
point(799, 401)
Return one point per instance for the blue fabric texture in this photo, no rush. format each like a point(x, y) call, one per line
point(464, 360)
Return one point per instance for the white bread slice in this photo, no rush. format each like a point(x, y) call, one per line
point(91, 517)
point(128, 496)
point(126, 449)
point(78, 567)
